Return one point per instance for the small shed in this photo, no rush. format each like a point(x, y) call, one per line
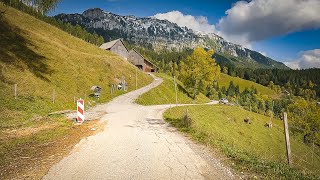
point(117, 46)
point(142, 63)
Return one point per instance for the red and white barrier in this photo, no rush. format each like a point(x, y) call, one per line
point(80, 110)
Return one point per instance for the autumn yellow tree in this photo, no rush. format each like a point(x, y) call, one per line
point(198, 71)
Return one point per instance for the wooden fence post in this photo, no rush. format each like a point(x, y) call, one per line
point(15, 91)
point(112, 90)
point(136, 79)
point(286, 131)
point(175, 87)
point(53, 96)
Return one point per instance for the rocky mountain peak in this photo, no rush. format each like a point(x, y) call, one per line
point(93, 13)
point(163, 34)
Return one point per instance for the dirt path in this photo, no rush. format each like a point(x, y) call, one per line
point(137, 144)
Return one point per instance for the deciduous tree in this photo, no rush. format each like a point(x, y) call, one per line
point(198, 72)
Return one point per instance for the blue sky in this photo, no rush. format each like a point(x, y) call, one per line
point(277, 32)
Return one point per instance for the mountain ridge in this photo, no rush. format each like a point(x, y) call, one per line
point(163, 34)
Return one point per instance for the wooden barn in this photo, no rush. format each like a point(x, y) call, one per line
point(117, 46)
point(142, 63)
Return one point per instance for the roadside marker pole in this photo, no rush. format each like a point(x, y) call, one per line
point(175, 87)
point(286, 131)
point(80, 110)
point(136, 79)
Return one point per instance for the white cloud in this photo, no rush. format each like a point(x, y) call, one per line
point(308, 59)
point(256, 20)
point(199, 23)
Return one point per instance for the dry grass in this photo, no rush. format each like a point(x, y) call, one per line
point(41, 59)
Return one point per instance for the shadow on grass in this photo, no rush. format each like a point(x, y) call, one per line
point(16, 50)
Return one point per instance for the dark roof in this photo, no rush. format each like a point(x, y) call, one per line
point(109, 45)
point(145, 58)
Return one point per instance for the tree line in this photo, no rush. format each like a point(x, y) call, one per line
point(304, 83)
point(39, 8)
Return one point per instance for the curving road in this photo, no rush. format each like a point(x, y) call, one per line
point(137, 144)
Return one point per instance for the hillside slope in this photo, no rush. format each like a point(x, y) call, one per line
point(165, 94)
point(224, 80)
point(43, 60)
point(48, 63)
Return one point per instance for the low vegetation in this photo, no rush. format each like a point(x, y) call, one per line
point(165, 94)
point(249, 145)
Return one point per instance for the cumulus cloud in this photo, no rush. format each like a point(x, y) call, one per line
point(199, 23)
point(256, 20)
point(308, 59)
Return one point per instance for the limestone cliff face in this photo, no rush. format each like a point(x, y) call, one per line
point(159, 34)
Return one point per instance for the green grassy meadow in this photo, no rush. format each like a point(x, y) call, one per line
point(224, 80)
point(165, 94)
point(250, 147)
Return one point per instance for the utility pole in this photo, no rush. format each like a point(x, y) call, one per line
point(175, 87)
point(286, 131)
point(136, 79)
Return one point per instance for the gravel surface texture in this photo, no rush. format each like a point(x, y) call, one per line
point(138, 144)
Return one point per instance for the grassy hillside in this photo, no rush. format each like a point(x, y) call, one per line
point(225, 79)
point(251, 147)
point(44, 62)
point(41, 59)
point(165, 94)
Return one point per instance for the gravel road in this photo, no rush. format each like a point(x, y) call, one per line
point(137, 144)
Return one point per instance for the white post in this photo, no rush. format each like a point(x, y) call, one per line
point(286, 131)
point(80, 110)
point(15, 91)
point(175, 87)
